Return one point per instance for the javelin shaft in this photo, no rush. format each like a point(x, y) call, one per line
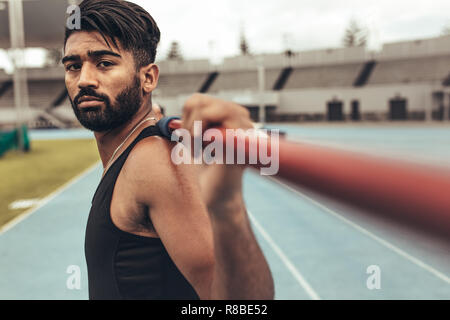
point(415, 194)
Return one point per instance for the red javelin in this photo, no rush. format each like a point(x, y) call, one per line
point(418, 195)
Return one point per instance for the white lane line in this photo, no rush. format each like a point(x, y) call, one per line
point(47, 199)
point(289, 265)
point(388, 245)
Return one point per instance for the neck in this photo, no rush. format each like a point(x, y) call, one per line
point(108, 141)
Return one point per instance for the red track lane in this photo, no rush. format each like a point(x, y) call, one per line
point(414, 194)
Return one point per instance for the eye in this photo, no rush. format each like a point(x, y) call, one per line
point(73, 67)
point(105, 64)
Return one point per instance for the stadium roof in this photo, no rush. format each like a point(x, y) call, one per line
point(44, 22)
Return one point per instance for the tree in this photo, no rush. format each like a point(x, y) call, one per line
point(355, 35)
point(243, 44)
point(174, 52)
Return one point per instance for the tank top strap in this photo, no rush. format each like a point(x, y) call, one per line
point(114, 170)
point(146, 132)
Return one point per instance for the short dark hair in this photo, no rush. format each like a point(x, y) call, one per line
point(124, 21)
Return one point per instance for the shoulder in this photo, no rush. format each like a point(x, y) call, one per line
point(149, 170)
point(149, 158)
point(153, 150)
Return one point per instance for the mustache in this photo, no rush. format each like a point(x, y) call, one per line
point(90, 92)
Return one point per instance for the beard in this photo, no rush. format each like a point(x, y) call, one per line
point(96, 119)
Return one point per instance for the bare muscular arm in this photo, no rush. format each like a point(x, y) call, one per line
point(202, 223)
point(176, 208)
point(241, 270)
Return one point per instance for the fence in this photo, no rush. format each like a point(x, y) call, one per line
point(11, 140)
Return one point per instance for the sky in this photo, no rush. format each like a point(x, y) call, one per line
point(206, 28)
point(212, 28)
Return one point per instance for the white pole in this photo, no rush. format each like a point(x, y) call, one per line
point(17, 38)
point(261, 88)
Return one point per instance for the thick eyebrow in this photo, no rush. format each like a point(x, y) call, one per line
point(70, 58)
point(99, 53)
point(93, 54)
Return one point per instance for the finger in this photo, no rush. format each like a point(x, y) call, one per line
point(189, 109)
point(175, 124)
point(214, 114)
point(208, 110)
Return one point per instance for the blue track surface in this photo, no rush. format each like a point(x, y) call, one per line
point(316, 247)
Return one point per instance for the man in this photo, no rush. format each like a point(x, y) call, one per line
point(156, 230)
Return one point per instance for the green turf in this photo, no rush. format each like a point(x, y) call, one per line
point(35, 174)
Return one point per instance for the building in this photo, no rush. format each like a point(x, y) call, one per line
point(407, 80)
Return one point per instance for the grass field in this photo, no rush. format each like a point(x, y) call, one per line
point(48, 165)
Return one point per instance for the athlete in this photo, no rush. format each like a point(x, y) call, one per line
point(156, 230)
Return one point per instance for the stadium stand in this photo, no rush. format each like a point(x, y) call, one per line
point(181, 77)
point(182, 83)
point(365, 73)
point(446, 81)
point(410, 70)
point(340, 83)
point(244, 80)
point(208, 82)
point(46, 91)
point(42, 94)
point(282, 79)
point(416, 48)
point(5, 86)
point(339, 75)
point(5, 82)
point(7, 96)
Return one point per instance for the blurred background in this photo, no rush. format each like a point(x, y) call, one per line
point(285, 61)
point(365, 75)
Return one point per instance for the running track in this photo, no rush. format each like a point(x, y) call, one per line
point(317, 248)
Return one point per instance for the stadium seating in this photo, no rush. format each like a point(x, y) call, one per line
point(243, 80)
point(295, 87)
point(339, 75)
point(42, 93)
point(409, 70)
point(7, 96)
point(183, 83)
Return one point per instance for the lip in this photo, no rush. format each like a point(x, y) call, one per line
point(89, 103)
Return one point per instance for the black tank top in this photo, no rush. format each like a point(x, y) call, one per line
point(123, 265)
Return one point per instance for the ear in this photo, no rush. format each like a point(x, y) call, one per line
point(149, 76)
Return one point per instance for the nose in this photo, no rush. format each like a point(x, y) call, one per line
point(87, 77)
